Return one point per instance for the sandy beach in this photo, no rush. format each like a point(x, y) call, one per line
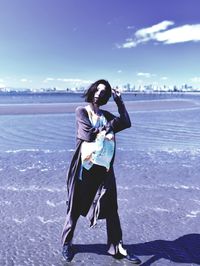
point(157, 171)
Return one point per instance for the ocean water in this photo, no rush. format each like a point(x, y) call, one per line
point(166, 139)
point(7, 98)
point(157, 169)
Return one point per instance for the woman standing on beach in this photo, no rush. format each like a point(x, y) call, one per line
point(91, 181)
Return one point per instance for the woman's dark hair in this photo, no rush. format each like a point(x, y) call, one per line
point(89, 93)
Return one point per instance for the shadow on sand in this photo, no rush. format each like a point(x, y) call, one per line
point(185, 249)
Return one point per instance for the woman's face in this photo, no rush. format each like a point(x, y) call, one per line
point(100, 96)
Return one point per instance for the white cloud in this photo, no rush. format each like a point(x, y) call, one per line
point(74, 80)
point(24, 80)
point(145, 74)
point(128, 44)
point(48, 79)
point(130, 27)
point(148, 32)
point(195, 79)
point(2, 85)
point(160, 33)
point(67, 81)
point(3, 82)
point(164, 78)
point(119, 71)
point(186, 33)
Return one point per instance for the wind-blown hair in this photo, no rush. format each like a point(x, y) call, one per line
point(89, 93)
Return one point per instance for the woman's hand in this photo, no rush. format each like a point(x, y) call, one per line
point(116, 95)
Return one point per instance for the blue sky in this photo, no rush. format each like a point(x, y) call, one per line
point(68, 43)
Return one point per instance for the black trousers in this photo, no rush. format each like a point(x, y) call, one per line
point(84, 195)
point(114, 232)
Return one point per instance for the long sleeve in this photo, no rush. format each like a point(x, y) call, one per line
point(121, 122)
point(85, 130)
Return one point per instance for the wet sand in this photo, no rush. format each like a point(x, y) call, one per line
point(159, 215)
point(158, 197)
point(51, 108)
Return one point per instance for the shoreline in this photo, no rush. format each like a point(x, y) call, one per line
point(62, 108)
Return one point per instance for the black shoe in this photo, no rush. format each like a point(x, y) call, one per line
point(68, 252)
point(131, 258)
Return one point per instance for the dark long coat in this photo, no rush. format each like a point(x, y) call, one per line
point(106, 196)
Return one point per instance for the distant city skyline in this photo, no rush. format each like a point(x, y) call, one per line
point(68, 44)
point(124, 88)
